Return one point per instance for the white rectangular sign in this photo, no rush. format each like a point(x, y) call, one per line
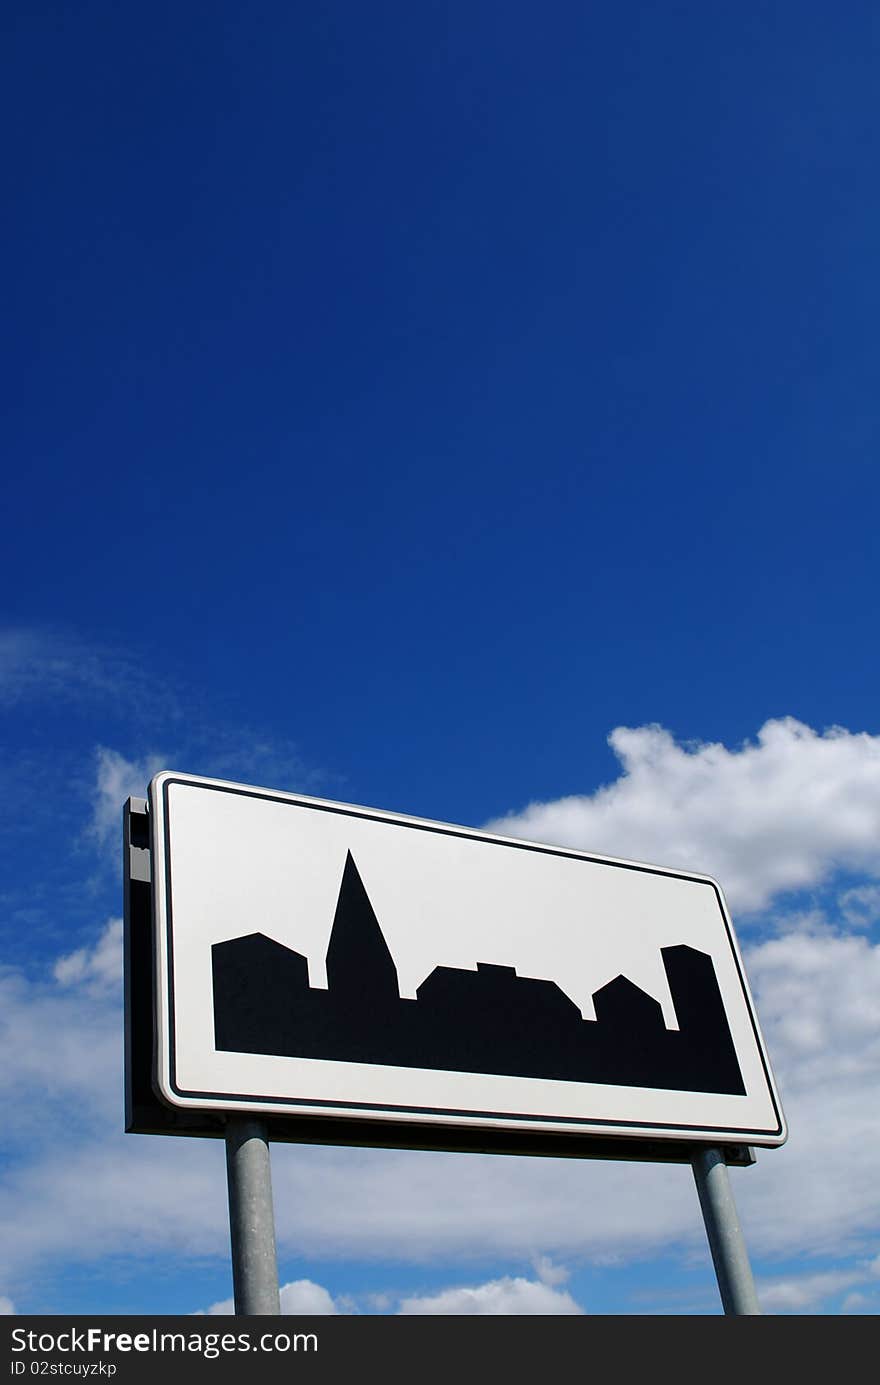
point(319, 959)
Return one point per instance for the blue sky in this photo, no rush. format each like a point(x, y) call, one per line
point(469, 411)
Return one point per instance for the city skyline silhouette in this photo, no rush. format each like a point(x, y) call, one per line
point(488, 1020)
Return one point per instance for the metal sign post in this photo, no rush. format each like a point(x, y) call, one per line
point(251, 1219)
point(726, 1242)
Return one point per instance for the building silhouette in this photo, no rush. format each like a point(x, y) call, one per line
point(489, 1021)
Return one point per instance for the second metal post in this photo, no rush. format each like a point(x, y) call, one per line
point(729, 1254)
point(251, 1219)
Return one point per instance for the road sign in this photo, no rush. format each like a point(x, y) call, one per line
point(317, 961)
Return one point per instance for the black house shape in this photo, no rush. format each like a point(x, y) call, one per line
point(488, 1021)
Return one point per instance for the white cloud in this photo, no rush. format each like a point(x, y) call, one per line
point(508, 1296)
point(58, 664)
point(860, 906)
point(819, 1003)
point(300, 1298)
point(98, 967)
point(118, 779)
point(803, 1293)
point(780, 814)
point(244, 756)
point(7, 1308)
point(425, 1207)
point(381, 1302)
point(498, 1297)
point(305, 1297)
point(63, 1040)
point(548, 1273)
point(113, 1195)
point(855, 1303)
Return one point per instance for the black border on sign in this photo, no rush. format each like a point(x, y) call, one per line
point(486, 1118)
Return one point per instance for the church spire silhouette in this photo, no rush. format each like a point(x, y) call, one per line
point(359, 964)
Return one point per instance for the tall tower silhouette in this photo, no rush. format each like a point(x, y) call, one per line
point(699, 1009)
point(360, 969)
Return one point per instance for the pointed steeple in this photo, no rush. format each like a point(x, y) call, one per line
point(360, 968)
